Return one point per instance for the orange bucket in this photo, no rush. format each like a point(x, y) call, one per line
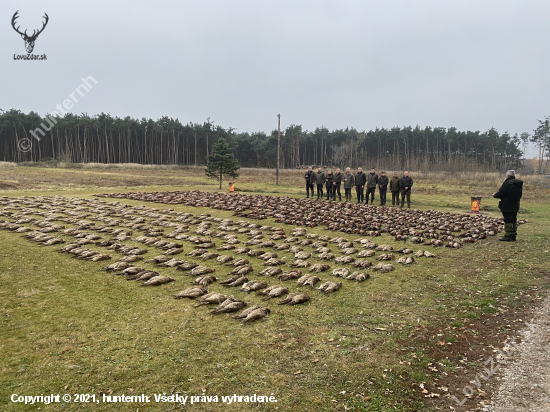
point(476, 202)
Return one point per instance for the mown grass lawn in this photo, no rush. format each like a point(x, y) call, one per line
point(69, 328)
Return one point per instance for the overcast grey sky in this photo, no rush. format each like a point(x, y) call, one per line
point(468, 64)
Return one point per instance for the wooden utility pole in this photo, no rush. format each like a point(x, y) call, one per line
point(278, 144)
point(208, 122)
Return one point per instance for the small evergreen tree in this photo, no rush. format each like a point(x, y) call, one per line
point(221, 162)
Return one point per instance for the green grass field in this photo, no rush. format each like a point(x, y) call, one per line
point(68, 328)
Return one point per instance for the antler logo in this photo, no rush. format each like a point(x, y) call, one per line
point(29, 40)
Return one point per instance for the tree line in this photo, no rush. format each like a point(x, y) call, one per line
point(106, 139)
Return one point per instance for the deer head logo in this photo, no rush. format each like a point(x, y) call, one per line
point(29, 40)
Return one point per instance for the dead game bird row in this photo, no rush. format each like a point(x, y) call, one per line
point(402, 224)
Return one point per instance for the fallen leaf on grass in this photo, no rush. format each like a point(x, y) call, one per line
point(432, 395)
point(297, 372)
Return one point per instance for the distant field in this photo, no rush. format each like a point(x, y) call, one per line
point(69, 328)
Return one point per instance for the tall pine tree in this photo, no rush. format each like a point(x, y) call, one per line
point(221, 162)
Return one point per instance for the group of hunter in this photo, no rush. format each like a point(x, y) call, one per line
point(362, 183)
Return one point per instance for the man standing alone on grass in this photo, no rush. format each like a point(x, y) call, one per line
point(383, 187)
point(360, 180)
point(372, 181)
point(349, 182)
point(336, 183)
point(405, 185)
point(394, 189)
point(320, 181)
point(310, 180)
point(510, 194)
point(328, 180)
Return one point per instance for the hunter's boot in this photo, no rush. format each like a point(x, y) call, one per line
point(307, 194)
point(339, 198)
point(514, 235)
point(509, 233)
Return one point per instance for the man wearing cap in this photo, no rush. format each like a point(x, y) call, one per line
point(510, 194)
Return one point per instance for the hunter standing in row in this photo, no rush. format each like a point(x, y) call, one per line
point(394, 189)
point(405, 184)
point(336, 182)
point(310, 181)
point(349, 182)
point(510, 194)
point(383, 187)
point(333, 182)
point(372, 181)
point(320, 180)
point(329, 177)
point(360, 180)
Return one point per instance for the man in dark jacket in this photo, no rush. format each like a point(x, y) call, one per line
point(383, 187)
point(349, 182)
point(360, 180)
point(310, 181)
point(320, 181)
point(372, 181)
point(329, 177)
point(394, 189)
point(405, 185)
point(336, 183)
point(510, 194)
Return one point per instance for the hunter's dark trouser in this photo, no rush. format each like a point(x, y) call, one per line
point(370, 191)
point(309, 186)
point(407, 194)
point(336, 189)
point(319, 190)
point(395, 198)
point(510, 217)
point(383, 196)
point(360, 194)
